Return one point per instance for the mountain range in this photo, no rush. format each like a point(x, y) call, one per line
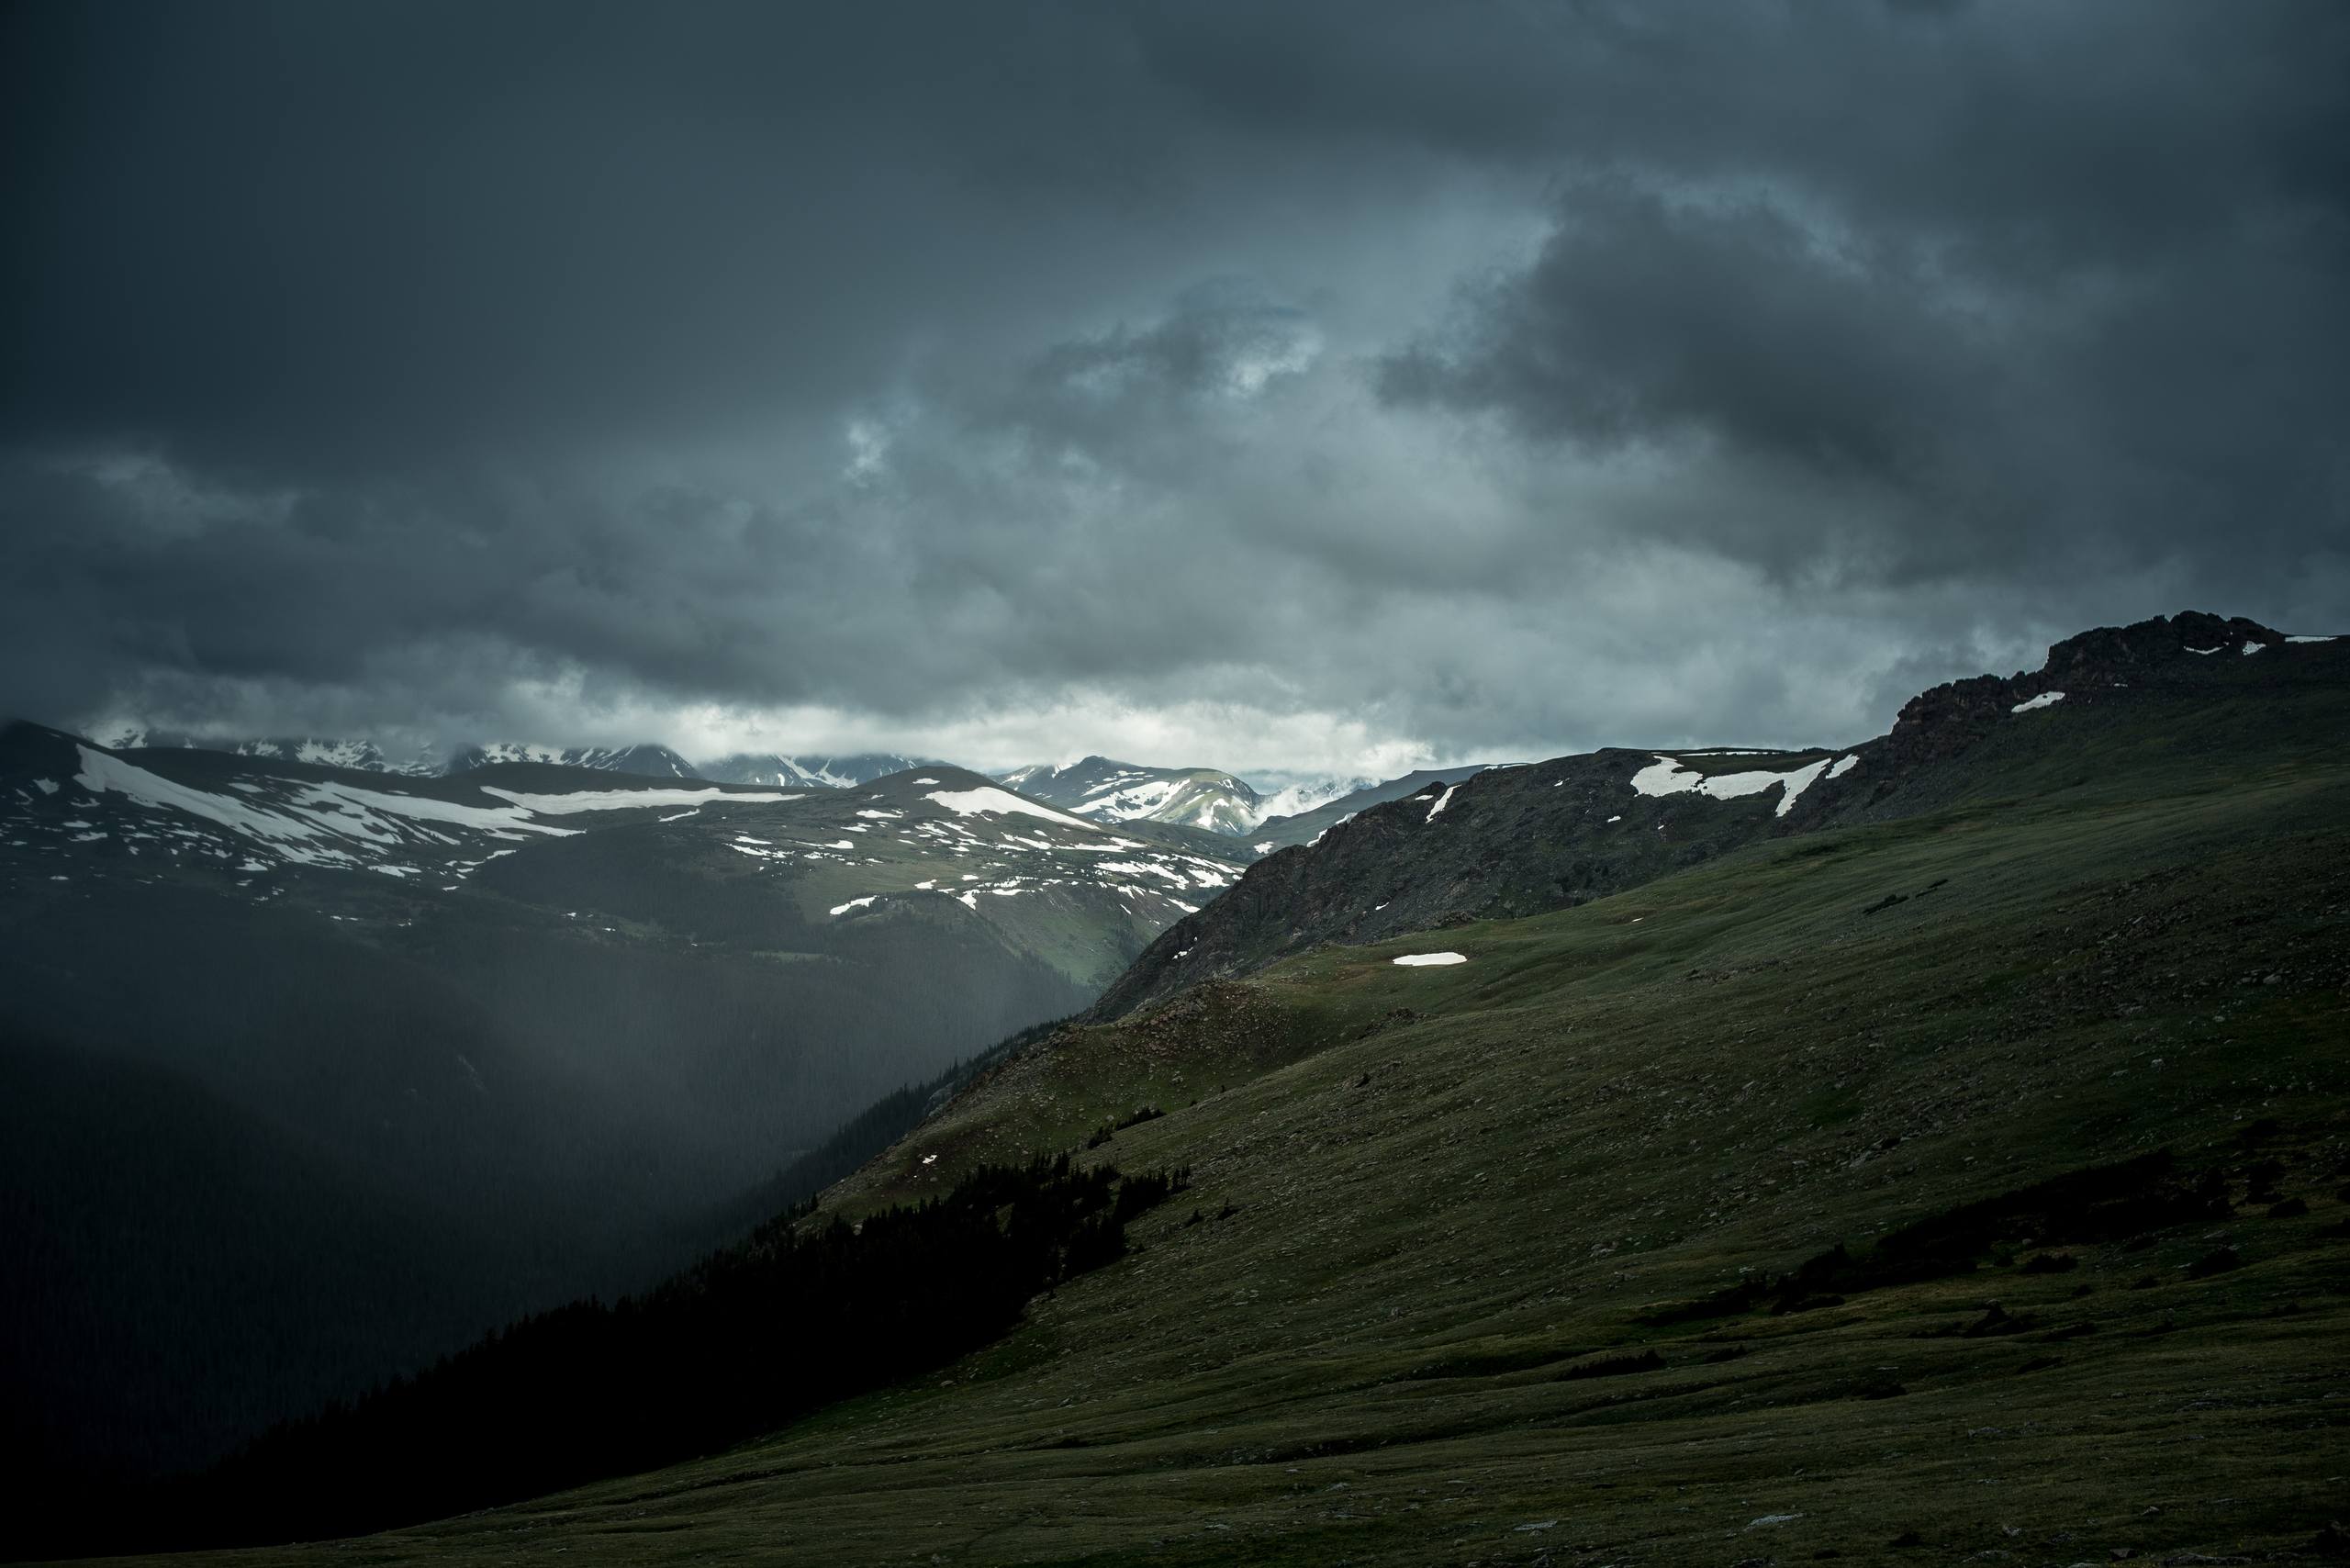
point(1611, 1158)
point(823, 772)
point(1096, 787)
point(559, 1017)
point(1214, 801)
point(645, 759)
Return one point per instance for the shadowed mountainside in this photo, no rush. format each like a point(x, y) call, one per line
point(1515, 841)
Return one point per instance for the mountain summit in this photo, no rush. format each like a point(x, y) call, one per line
point(1108, 790)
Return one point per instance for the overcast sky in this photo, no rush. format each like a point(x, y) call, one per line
point(1268, 384)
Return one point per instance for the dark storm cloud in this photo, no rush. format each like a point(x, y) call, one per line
point(1492, 376)
point(2075, 295)
point(304, 236)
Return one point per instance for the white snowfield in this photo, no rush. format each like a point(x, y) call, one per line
point(306, 826)
point(1116, 792)
point(1667, 777)
point(2046, 699)
point(1190, 802)
point(1175, 874)
point(1001, 802)
point(1441, 801)
point(1422, 960)
point(2309, 639)
point(337, 824)
point(841, 909)
point(625, 799)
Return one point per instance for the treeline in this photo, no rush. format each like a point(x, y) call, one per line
point(742, 1344)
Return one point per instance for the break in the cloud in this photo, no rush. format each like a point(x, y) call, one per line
point(1301, 387)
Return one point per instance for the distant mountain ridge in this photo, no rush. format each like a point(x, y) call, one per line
point(326, 753)
point(646, 761)
point(1109, 790)
point(820, 772)
point(1099, 788)
point(1305, 827)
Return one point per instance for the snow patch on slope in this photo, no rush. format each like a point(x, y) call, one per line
point(1667, 777)
point(1001, 802)
point(304, 827)
point(624, 799)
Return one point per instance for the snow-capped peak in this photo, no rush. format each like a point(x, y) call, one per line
point(1109, 790)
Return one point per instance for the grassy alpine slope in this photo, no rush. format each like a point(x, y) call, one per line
point(1435, 1200)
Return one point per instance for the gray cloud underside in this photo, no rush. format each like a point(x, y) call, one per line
point(1282, 379)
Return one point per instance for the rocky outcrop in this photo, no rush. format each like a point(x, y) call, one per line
point(2118, 656)
point(2169, 649)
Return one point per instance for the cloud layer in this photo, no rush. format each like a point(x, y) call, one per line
point(1313, 386)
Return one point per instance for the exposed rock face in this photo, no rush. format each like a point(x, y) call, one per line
point(1950, 718)
point(1947, 720)
point(2113, 655)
